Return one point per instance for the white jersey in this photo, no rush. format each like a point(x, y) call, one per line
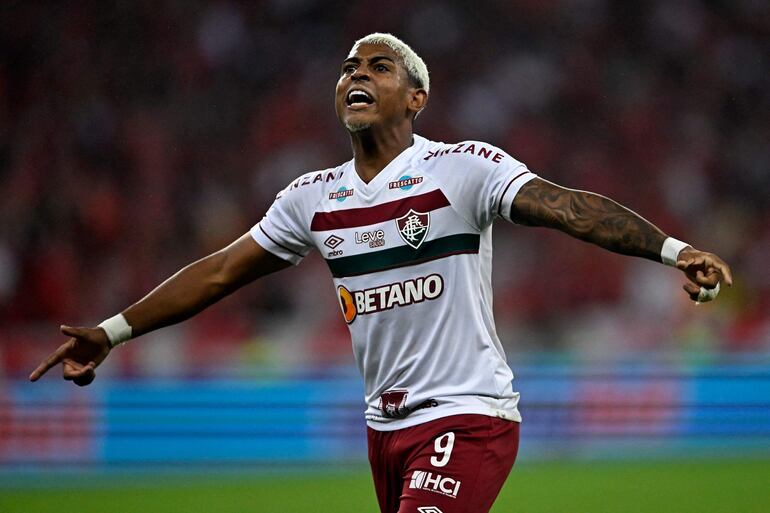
point(410, 253)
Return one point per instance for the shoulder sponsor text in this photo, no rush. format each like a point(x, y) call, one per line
point(476, 149)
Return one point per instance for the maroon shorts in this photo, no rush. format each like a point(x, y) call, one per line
point(456, 464)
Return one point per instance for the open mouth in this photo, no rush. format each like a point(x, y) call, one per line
point(359, 99)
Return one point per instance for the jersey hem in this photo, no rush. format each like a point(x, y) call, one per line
point(393, 425)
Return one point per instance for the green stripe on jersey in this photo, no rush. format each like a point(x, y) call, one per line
point(403, 255)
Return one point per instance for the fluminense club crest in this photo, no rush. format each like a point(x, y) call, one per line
point(393, 403)
point(413, 227)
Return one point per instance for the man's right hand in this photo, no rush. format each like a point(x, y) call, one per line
point(186, 293)
point(79, 356)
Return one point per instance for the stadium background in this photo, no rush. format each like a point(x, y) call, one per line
point(138, 136)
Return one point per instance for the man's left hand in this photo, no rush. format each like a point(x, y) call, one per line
point(703, 270)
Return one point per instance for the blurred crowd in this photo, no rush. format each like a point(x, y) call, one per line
point(136, 137)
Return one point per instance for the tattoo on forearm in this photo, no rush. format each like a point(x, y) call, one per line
point(587, 216)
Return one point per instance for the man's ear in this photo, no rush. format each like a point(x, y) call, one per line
point(418, 98)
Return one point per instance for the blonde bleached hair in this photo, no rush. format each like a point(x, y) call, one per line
point(415, 66)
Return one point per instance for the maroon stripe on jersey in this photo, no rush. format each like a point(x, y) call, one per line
point(354, 217)
point(500, 205)
point(279, 244)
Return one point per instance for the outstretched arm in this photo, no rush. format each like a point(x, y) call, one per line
point(201, 284)
point(186, 293)
point(601, 221)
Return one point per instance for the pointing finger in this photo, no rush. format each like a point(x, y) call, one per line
point(56, 357)
point(713, 264)
point(726, 272)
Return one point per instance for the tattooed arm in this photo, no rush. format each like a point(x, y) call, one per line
point(587, 216)
point(601, 221)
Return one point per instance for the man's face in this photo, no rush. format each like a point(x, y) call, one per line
point(373, 89)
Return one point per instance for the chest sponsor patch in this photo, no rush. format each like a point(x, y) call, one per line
point(375, 238)
point(377, 299)
point(405, 183)
point(342, 194)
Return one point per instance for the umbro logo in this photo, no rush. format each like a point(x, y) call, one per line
point(332, 241)
point(429, 509)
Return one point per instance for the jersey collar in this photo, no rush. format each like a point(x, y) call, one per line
point(368, 190)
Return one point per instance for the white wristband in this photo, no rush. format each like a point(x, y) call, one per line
point(117, 329)
point(670, 251)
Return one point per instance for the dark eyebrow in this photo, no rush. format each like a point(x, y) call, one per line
point(376, 58)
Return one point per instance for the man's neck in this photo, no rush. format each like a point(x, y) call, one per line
point(374, 149)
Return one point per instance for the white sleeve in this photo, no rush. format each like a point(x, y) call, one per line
point(481, 185)
point(284, 231)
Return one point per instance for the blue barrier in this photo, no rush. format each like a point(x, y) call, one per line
point(569, 411)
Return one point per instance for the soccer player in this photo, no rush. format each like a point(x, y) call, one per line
point(405, 227)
